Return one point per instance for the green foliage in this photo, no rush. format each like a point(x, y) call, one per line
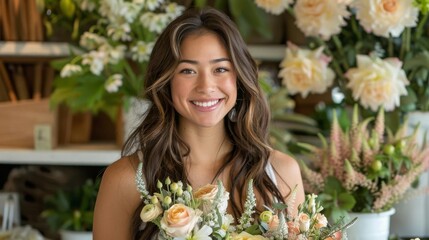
point(285, 124)
point(72, 210)
point(336, 199)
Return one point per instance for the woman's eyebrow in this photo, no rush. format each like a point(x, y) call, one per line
point(211, 61)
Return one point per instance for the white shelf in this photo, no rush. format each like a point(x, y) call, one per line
point(61, 49)
point(35, 49)
point(82, 155)
point(267, 52)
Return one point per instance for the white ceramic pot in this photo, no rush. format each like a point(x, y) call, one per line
point(411, 217)
point(374, 226)
point(75, 235)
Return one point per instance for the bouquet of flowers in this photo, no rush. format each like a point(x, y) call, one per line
point(359, 170)
point(181, 213)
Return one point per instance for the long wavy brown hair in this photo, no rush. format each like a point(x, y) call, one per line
point(158, 138)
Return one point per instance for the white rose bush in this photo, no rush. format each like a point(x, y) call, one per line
point(389, 36)
point(181, 213)
point(107, 68)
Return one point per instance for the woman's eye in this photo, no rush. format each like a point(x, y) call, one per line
point(187, 71)
point(221, 70)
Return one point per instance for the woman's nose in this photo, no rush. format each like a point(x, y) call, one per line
point(206, 83)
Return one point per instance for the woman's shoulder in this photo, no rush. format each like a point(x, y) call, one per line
point(288, 176)
point(283, 163)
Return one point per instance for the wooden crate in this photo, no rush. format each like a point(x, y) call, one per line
point(19, 119)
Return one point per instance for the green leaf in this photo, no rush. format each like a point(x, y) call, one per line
point(346, 201)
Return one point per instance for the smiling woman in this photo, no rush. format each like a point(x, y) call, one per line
point(207, 122)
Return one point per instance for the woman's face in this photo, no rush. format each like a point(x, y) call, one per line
point(204, 85)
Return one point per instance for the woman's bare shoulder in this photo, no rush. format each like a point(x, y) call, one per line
point(288, 174)
point(117, 200)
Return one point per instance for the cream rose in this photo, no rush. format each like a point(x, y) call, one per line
point(248, 236)
point(384, 17)
point(304, 222)
point(320, 18)
point(304, 71)
point(150, 212)
point(377, 82)
point(179, 220)
point(275, 7)
point(321, 221)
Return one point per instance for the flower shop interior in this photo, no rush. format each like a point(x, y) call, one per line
point(347, 82)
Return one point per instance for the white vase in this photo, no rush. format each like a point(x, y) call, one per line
point(75, 235)
point(411, 218)
point(374, 226)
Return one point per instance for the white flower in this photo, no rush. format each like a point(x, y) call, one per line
point(87, 5)
point(304, 71)
point(322, 18)
point(141, 51)
point(384, 17)
point(275, 7)
point(113, 83)
point(129, 11)
point(96, 60)
point(70, 70)
point(203, 233)
point(376, 82)
point(179, 220)
point(154, 22)
point(119, 31)
point(115, 54)
point(153, 4)
point(174, 10)
point(91, 41)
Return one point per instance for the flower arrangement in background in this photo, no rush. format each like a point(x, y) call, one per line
point(346, 37)
point(181, 213)
point(361, 171)
point(110, 66)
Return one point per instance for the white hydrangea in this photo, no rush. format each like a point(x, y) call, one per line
point(141, 51)
point(275, 7)
point(113, 83)
point(69, 70)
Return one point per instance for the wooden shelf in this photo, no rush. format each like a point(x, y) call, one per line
point(35, 49)
point(60, 49)
point(73, 155)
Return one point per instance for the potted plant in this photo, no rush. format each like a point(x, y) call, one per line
point(71, 212)
point(108, 67)
point(358, 170)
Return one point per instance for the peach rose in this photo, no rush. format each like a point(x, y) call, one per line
point(377, 82)
point(150, 212)
point(320, 18)
point(275, 7)
point(304, 222)
point(247, 236)
point(207, 194)
point(179, 220)
point(384, 17)
point(273, 224)
point(321, 221)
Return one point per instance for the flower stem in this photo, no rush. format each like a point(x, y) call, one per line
point(390, 46)
point(420, 27)
point(355, 28)
point(405, 45)
point(339, 46)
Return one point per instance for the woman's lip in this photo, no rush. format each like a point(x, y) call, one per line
point(207, 104)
